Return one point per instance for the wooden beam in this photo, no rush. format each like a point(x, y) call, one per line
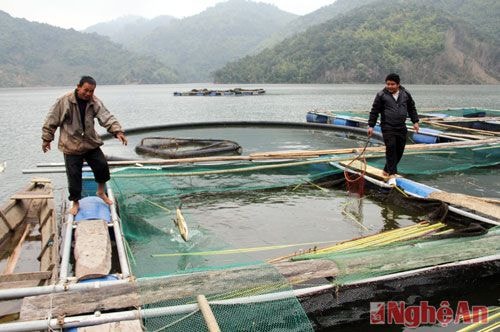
point(49, 243)
point(208, 314)
point(152, 290)
point(31, 196)
point(5, 221)
point(5, 278)
point(46, 217)
point(14, 257)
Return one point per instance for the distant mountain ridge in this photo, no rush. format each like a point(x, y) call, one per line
point(130, 29)
point(35, 54)
point(198, 45)
point(242, 41)
point(423, 42)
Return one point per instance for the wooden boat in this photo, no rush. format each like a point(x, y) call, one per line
point(475, 120)
point(29, 216)
point(29, 240)
point(424, 136)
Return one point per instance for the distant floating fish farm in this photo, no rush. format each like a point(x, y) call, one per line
point(230, 92)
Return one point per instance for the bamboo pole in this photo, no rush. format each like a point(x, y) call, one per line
point(461, 119)
point(274, 156)
point(207, 313)
point(484, 132)
point(12, 261)
point(241, 169)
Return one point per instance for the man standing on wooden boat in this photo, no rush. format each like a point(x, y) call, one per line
point(74, 114)
point(394, 104)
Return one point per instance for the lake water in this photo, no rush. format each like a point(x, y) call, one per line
point(238, 221)
point(23, 110)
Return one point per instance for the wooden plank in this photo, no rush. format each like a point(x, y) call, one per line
point(154, 290)
point(6, 278)
point(3, 218)
point(31, 196)
point(92, 249)
point(47, 216)
point(14, 257)
point(470, 202)
point(283, 154)
point(15, 211)
point(47, 231)
point(47, 244)
point(359, 166)
point(42, 180)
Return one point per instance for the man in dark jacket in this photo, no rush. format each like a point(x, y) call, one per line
point(394, 104)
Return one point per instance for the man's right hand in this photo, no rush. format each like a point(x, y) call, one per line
point(370, 131)
point(45, 146)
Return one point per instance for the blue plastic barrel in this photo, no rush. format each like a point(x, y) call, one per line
point(92, 208)
point(344, 122)
point(426, 136)
point(316, 118)
point(109, 277)
point(414, 188)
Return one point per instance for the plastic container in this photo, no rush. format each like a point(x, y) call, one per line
point(316, 118)
point(414, 188)
point(426, 136)
point(92, 208)
point(344, 122)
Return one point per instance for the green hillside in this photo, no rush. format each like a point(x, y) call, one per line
point(34, 54)
point(198, 45)
point(425, 44)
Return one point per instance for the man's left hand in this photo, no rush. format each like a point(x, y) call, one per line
point(121, 137)
point(416, 127)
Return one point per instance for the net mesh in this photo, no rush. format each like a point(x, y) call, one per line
point(359, 264)
point(148, 199)
point(435, 161)
point(238, 302)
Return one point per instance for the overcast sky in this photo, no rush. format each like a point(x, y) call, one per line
point(81, 14)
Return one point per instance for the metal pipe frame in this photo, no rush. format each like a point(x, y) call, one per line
point(122, 256)
point(98, 318)
point(68, 238)
point(15, 293)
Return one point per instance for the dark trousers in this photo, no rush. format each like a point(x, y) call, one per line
point(74, 163)
point(395, 142)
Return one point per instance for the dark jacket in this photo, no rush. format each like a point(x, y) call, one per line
point(73, 139)
point(393, 113)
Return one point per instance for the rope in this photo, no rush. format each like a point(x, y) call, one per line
point(360, 178)
point(240, 250)
point(176, 321)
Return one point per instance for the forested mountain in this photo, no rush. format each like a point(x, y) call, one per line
point(130, 29)
point(198, 45)
point(34, 54)
point(427, 41)
point(302, 23)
